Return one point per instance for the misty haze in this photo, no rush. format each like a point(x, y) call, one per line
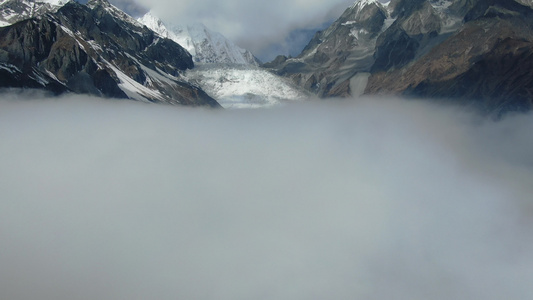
point(274, 150)
point(370, 198)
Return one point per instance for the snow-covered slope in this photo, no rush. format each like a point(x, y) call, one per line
point(96, 49)
point(12, 11)
point(244, 86)
point(206, 46)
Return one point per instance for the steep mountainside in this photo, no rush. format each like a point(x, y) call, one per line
point(96, 49)
point(487, 62)
point(469, 51)
point(206, 46)
point(340, 52)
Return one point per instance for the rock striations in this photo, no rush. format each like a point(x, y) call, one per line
point(340, 53)
point(96, 49)
point(474, 52)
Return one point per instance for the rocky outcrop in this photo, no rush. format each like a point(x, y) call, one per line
point(97, 49)
point(369, 37)
point(487, 63)
point(499, 81)
point(474, 52)
point(337, 54)
point(417, 24)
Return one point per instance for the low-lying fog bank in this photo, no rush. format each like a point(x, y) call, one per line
point(366, 199)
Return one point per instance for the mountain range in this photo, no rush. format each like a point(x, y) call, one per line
point(472, 52)
point(96, 49)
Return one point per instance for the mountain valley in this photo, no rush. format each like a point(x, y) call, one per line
point(474, 53)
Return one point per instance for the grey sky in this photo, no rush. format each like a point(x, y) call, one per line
point(266, 28)
point(255, 25)
point(368, 199)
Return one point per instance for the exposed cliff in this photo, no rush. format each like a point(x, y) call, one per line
point(466, 51)
point(96, 49)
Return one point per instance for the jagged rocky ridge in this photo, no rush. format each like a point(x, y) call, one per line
point(477, 52)
point(96, 49)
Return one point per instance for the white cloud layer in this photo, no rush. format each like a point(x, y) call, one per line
point(367, 199)
point(254, 25)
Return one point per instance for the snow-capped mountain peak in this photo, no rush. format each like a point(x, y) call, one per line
point(205, 45)
point(154, 23)
point(362, 3)
point(55, 2)
point(113, 10)
point(176, 33)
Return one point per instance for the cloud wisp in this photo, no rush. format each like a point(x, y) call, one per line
point(371, 199)
point(255, 26)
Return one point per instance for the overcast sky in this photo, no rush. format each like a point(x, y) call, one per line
point(370, 199)
point(260, 26)
point(267, 28)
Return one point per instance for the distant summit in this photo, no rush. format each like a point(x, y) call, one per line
point(206, 46)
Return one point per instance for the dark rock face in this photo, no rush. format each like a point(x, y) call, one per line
point(96, 49)
point(405, 8)
point(394, 49)
point(500, 81)
point(280, 59)
point(416, 25)
point(338, 53)
point(487, 63)
point(476, 52)
point(367, 38)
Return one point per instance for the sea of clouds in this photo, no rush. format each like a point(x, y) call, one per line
point(356, 199)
